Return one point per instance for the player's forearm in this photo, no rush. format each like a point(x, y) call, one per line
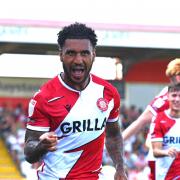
point(135, 127)
point(114, 146)
point(131, 130)
point(159, 153)
point(33, 151)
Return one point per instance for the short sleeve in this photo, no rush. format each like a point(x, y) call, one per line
point(38, 119)
point(157, 133)
point(159, 103)
point(115, 112)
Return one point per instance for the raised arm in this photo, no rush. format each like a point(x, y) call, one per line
point(114, 145)
point(38, 143)
point(135, 127)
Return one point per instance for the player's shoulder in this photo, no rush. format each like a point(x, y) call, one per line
point(109, 89)
point(163, 115)
point(51, 84)
point(164, 118)
point(160, 101)
point(48, 88)
point(103, 82)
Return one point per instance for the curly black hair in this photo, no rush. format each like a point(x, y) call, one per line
point(76, 31)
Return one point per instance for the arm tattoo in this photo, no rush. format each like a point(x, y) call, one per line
point(114, 144)
point(33, 149)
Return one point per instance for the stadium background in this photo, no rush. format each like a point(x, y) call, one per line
point(142, 46)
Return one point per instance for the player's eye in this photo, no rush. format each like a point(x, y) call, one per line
point(85, 53)
point(70, 53)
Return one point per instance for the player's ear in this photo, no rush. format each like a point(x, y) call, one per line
point(60, 55)
point(94, 55)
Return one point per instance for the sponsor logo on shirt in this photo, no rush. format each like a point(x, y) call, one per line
point(102, 104)
point(171, 140)
point(80, 126)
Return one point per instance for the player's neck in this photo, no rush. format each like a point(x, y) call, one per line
point(76, 86)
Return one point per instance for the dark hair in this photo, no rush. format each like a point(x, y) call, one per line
point(174, 87)
point(76, 31)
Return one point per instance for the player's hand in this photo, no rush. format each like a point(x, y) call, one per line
point(48, 141)
point(172, 152)
point(120, 174)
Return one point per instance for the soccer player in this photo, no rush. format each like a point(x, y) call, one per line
point(166, 137)
point(73, 114)
point(158, 104)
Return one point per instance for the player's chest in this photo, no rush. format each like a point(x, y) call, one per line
point(172, 135)
point(86, 110)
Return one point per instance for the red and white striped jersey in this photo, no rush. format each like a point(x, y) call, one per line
point(166, 130)
point(157, 105)
point(160, 102)
point(79, 119)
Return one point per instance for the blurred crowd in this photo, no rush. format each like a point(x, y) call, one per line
point(12, 131)
point(135, 149)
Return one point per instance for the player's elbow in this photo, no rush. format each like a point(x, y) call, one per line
point(30, 157)
point(30, 160)
point(156, 153)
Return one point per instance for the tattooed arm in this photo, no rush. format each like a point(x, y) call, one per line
point(37, 144)
point(114, 145)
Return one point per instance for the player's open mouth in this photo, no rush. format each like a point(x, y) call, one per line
point(78, 72)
